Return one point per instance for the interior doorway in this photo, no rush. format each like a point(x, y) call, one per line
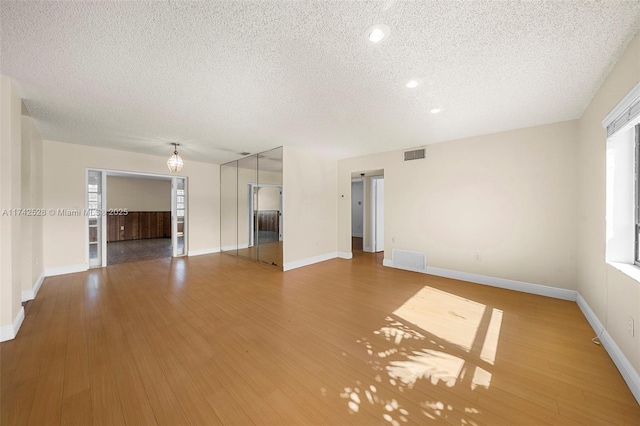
point(357, 213)
point(139, 226)
point(265, 213)
point(367, 212)
point(135, 216)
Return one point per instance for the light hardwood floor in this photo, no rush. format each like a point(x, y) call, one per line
point(267, 253)
point(218, 340)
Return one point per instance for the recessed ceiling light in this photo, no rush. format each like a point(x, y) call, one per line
point(435, 110)
point(412, 84)
point(377, 33)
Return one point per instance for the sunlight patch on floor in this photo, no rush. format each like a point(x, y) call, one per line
point(437, 337)
point(490, 344)
point(481, 378)
point(428, 364)
point(392, 411)
point(450, 317)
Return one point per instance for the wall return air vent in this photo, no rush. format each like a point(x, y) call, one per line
point(410, 260)
point(416, 154)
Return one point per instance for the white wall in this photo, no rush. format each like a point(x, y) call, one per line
point(138, 194)
point(64, 188)
point(511, 197)
point(11, 310)
point(610, 294)
point(357, 208)
point(310, 207)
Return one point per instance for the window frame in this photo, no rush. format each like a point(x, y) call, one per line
point(636, 168)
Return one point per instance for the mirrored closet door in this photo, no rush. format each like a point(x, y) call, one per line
point(251, 218)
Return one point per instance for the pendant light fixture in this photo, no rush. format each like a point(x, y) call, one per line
point(174, 162)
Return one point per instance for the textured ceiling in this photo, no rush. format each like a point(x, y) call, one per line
point(225, 77)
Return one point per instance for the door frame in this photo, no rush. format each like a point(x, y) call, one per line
point(358, 181)
point(103, 225)
point(102, 235)
point(250, 203)
point(174, 217)
point(377, 214)
point(369, 211)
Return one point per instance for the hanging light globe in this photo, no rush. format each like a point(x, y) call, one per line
point(175, 162)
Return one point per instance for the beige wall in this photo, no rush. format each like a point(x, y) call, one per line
point(32, 238)
point(138, 194)
point(610, 294)
point(64, 187)
point(267, 198)
point(10, 198)
point(511, 197)
point(229, 207)
point(309, 205)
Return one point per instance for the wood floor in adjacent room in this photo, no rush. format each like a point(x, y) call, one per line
point(218, 340)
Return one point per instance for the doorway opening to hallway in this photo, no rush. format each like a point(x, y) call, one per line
point(367, 213)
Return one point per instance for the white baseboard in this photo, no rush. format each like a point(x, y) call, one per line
point(345, 255)
point(69, 269)
point(204, 251)
point(9, 332)
point(309, 261)
point(629, 374)
point(31, 294)
point(367, 249)
point(542, 290)
point(357, 235)
point(591, 317)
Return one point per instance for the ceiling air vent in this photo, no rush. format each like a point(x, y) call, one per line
point(416, 154)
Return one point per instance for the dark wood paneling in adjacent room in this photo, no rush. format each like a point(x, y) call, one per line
point(166, 224)
point(268, 220)
point(132, 228)
point(139, 225)
point(144, 225)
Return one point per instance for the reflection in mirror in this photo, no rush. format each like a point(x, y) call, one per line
point(251, 207)
point(229, 208)
point(247, 180)
point(268, 207)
